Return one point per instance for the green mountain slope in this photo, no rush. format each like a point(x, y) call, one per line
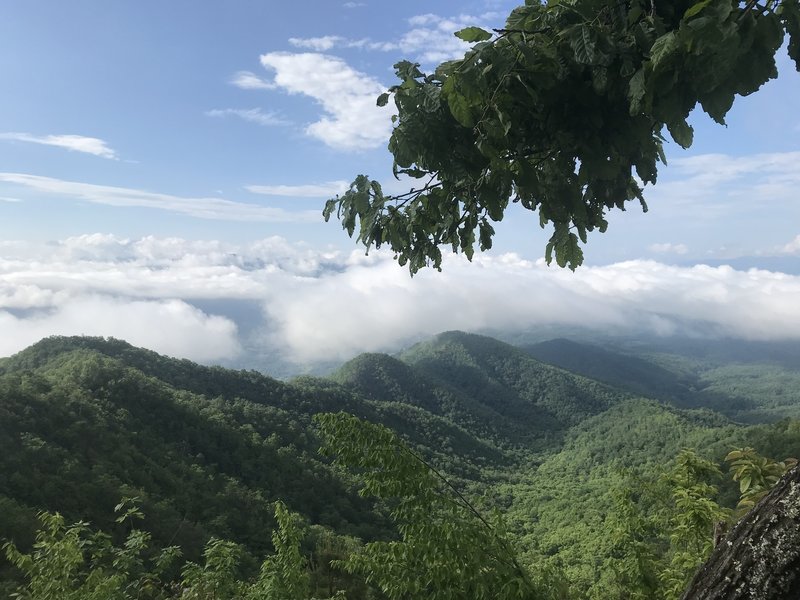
point(84, 429)
point(747, 381)
point(86, 421)
point(535, 396)
point(615, 368)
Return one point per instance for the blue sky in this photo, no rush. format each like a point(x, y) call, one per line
point(190, 138)
point(157, 83)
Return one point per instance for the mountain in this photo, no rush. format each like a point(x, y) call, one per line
point(615, 368)
point(752, 382)
point(87, 421)
point(491, 389)
point(509, 381)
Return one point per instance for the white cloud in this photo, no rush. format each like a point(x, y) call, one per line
point(321, 190)
point(7, 199)
point(328, 42)
point(667, 248)
point(171, 327)
point(77, 143)
point(354, 4)
point(250, 81)
point(374, 306)
point(323, 305)
point(203, 208)
point(430, 38)
point(254, 115)
point(351, 120)
point(792, 247)
point(318, 44)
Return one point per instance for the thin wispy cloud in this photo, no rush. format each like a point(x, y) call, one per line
point(250, 81)
point(669, 248)
point(254, 115)
point(711, 185)
point(350, 119)
point(318, 44)
point(429, 39)
point(328, 42)
point(7, 199)
point(203, 208)
point(320, 190)
point(715, 200)
point(76, 143)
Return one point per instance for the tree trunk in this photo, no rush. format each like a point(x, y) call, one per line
point(759, 559)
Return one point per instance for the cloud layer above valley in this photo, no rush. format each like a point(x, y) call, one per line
point(314, 306)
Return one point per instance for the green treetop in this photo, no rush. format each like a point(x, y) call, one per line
point(564, 111)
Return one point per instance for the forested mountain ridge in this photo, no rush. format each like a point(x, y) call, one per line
point(490, 370)
point(86, 421)
point(751, 382)
point(84, 430)
point(490, 388)
point(615, 368)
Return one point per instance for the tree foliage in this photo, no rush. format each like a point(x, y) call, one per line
point(564, 111)
point(756, 474)
point(447, 548)
point(75, 562)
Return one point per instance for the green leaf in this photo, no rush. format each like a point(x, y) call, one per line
point(599, 79)
point(473, 34)
point(383, 99)
point(407, 70)
point(790, 15)
point(486, 231)
point(460, 109)
point(662, 48)
point(718, 103)
point(635, 13)
point(744, 483)
point(681, 132)
point(636, 91)
point(696, 8)
point(583, 44)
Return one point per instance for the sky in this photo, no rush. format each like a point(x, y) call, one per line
point(163, 167)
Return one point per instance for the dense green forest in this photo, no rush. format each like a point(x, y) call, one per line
point(579, 471)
